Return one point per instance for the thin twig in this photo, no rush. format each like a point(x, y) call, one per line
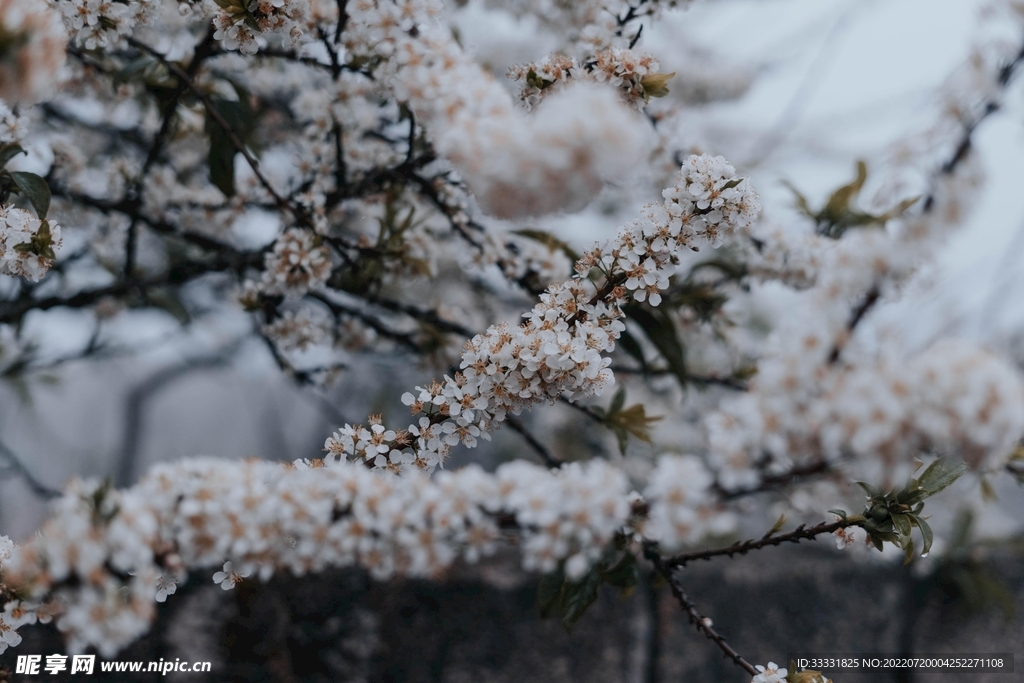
point(690, 609)
point(15, 464)
point(801, 533)
point(546, 455)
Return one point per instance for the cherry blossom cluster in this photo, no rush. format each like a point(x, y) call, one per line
point(618, 67)
point(298, 263)
point(297, 330)
point(238, 23)
point(516, 165)
point(558, 350)
point(952, 397)
point(33, 46)
point(788, 256)
point(27, 243)
point(97, 24)
point(106, 557)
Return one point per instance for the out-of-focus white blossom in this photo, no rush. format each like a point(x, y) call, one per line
point(96, 24)
point(517, 165)
point(33, 47)
point(682, 507)
point(298, 263)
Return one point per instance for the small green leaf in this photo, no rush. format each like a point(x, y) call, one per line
point(624, 574)
point(9, 151)
point(617, 401)
point(35, 190)
point(549, 594)
point(987, 492)
point(871, 491)
point(167, 300)
point(535, 81)
point(661, 330)
point(578, 597)
point(840, 513)
point(940, 474)
point(631, 346)
point(801, 201)
point(902, 525)
point(926, 535)
point(839, 202)
point(655, 85)
point(238, 114)
point(134, 67)
point(778, 525)
point(221, 160)
point(621, 437)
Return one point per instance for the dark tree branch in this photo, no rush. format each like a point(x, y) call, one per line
point(801, 533)
point(690, 609)
point(542, 451)
point(15, 465)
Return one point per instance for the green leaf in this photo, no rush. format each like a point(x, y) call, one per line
point(778, 525)
point(632, 420)
point(624, 574)
point(549, 594)
point(801, 201)
point(134, 67)
point(35, 190)
point(631, 346)
point(661, 330)
point(926, 535)
point(899, 209)
point(578, 597)
point(617, 402)
point(221, 160)
point(912, 497)
point(9, 151)
point(534, 80)
point(167, 300)
point(902, 525)
point(987, 492)
point(940, 474)
point(621, 438)
point(908, 552)
point(871, 491)
point(840, 513)
point(839, 202)
point(239, 116)
point(655, 85)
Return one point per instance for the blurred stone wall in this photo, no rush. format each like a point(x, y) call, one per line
point(480, 625)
